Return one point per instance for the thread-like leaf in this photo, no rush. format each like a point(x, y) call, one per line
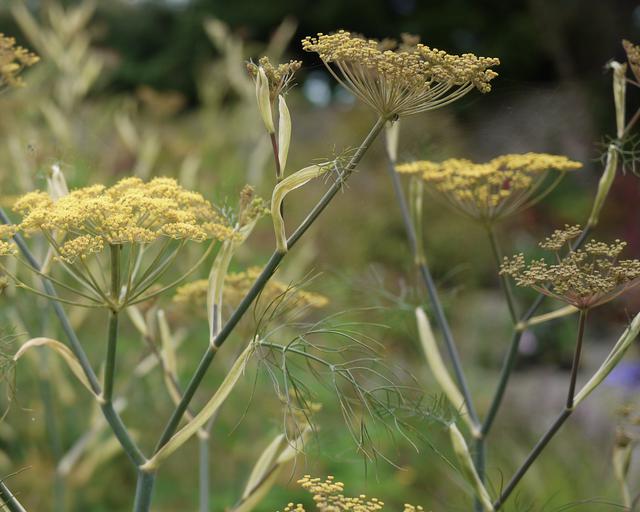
point(63, 351)
point(192, 427)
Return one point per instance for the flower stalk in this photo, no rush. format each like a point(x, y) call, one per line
point(260, 283)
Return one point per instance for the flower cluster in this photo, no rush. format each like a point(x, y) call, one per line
point(408, 79)
point(238, 284)
point(251, 207)
point(583, 278)
point(7, 248)
point(633, 56)
point(495, 189)
point(278, 76)
point(13, 59)
point(328, 496)
point(130, 212)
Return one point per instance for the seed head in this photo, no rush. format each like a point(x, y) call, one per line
point(584, 278)
point(492, 190)
point(400, 80)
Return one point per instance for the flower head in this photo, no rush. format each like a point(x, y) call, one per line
point(130, 212)
point(142, 225)
point(279, 76)
point(492, 190)
point(584, 278)
point(400, 80)
point(238, 283)
point(328, 496)
point(633, 56)
point(13, 59)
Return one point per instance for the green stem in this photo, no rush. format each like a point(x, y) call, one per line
point(551, 432)
point(479, 461)
point(506, 287)
point(112, 335)
point(539, 447)
point(9, 500)
point(110, 363)
point(261, 281)
point(575, 366)
point(438, 310)
point(144, 491)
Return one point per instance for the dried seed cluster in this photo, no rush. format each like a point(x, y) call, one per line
point(236, 286)
point(279, 76)
point(583, 278)
point(328, 496)
point(130, 212)
point(13, 59)
point(500, 187)
point(400, 80)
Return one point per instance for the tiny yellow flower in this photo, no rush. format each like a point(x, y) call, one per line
point(400, 80)
point(490, 191)
point(13, 59)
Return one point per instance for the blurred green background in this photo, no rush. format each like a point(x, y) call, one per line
point(159, 88)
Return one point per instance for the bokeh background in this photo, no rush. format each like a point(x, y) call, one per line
point(160, 88)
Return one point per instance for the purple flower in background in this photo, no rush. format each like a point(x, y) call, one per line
point(626, 375)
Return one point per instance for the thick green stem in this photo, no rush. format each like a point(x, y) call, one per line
point(506, 287)
point(112, 333)
point(432, 291)
point(9, 500)
point(539, 447)
point(110, 363)
point(551, 432)
point(144, 491)
point(479, 461)
point(260, 282)
point(575, 366)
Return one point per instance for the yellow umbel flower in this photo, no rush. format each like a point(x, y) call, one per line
point(13, 59)
point(408, 79)
point(328, 496)
point(130, 212)
point(236, 286)
point(141, 225)
point(584, 278)
point(495, 189)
